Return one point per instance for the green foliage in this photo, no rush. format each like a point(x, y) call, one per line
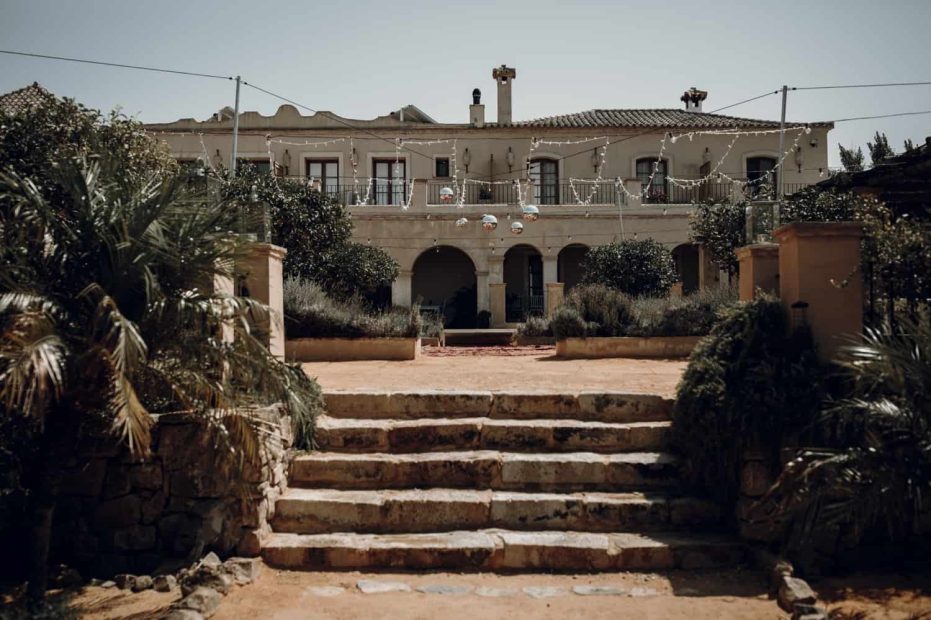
point(311, 313)
point(607, 311)
point(60, 130)
point(879, 148)
point(896, 253)
point(813, 204)
point(748, 384)
point(851, 160)
point(567, 322)
point(315, 230)
point(691, 315)
point(107, 310)
point(535, 326)
point(633, 267)
point(873, 471)
point(357, 269)
point(721, 228)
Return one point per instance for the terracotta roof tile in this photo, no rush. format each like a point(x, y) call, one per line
point(661, 118)
point(26, 98)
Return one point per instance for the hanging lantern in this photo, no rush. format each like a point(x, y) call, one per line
point(489, 222)
point(516, 228)
point(531, 213)
point(446, 194)
point(461, 222)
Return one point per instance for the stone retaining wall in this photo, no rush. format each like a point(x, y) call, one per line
point(120, 514)
point(647, 347)
point(349, 349)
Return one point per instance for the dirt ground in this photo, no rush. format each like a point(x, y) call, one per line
point(692, 595)
point(512, 368)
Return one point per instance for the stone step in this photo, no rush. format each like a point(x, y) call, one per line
point(317, 511)
point(593, 406)
point(443, 434)
point(486, 469)
point(500, 550)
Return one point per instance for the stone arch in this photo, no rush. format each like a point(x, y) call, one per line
point(569, 265)
point(443, 281)
point(523, 277)
point(686, 258)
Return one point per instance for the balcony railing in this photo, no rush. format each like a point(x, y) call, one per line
point(582, 192)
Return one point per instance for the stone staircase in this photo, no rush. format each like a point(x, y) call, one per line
point(493, 481)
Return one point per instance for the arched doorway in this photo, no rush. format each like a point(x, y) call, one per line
point(686, 258)
point(523, 276)
point(443, 282)
point(569, 265)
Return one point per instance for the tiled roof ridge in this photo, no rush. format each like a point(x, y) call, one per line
point(649, 117)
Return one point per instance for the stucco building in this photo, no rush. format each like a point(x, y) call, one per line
point(595, 177)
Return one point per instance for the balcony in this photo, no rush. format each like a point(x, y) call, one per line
point(423, 195)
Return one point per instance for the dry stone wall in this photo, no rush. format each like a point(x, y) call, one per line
point(191, 495)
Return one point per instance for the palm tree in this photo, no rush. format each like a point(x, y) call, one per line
point(108, 310)
point(876, 472)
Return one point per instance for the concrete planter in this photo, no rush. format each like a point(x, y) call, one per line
point(655, 346)
point(348, 349)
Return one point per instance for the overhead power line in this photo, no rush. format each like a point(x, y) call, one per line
point(890, 84)
point(120, 65)
point(863, 118)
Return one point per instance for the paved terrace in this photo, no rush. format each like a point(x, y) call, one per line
point(501, 369)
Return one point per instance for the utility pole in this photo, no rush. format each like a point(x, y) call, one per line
point(236, 128)
point(782, 142)
point(781, 160)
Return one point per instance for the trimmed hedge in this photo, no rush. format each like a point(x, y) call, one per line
point(310, 313)
point(749, 383)
point(643, 267)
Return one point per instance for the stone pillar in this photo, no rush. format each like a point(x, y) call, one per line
point(225, 286)
point(759, 269)
point(481, 291)
point(550, 275)
point(554, 296)
point(709, 275)
point(265, 282)
point(401, 289)
point(819, 264)
point(496, 296)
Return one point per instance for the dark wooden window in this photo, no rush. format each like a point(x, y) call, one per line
point(262, 165)
point(761, 173)
point(390, 182)
point(655, 190)
point(544, 174)
point(442, 168)
point(326, 172)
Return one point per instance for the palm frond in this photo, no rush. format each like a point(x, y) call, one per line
point(33, 359)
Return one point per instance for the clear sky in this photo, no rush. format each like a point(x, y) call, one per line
point(362, 59)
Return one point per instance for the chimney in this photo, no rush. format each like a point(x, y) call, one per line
point(693, 98)
point(477, 110)
point(504, 75)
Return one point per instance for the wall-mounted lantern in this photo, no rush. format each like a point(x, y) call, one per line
point(466, 159)
point(510, 159)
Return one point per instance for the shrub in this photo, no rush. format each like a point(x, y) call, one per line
point(483, 319)
point(315, 230)
point(567, 322)
point(634, 267)
point(692, 315)
point(431, 325)
point(872, 470)
point(748, 384)
point(311, 313)
point(535, 326)
point(355, 269)
point(721, 229)
point(606, 311)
